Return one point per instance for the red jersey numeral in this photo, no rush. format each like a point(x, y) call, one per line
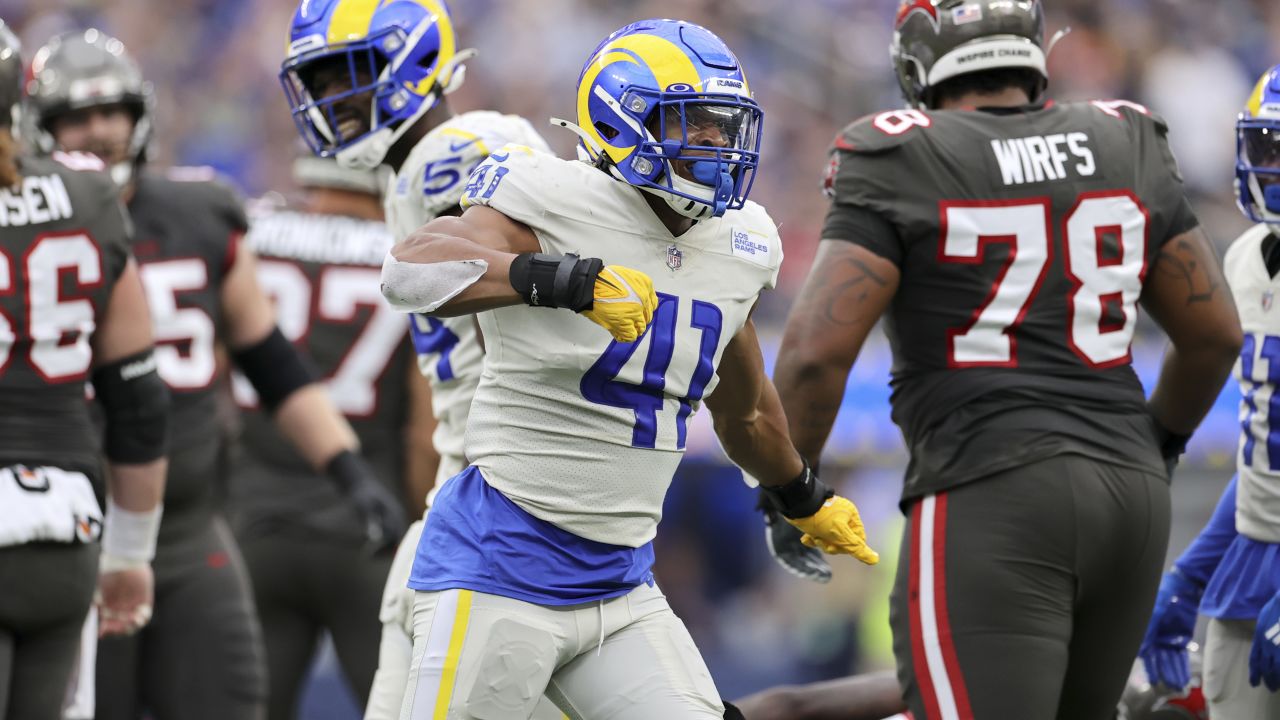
point(1105, 259)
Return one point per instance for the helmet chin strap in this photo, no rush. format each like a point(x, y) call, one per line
point(589, 146)
point(1267, 202)
point(368, 152)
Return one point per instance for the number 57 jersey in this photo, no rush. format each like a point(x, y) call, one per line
point(577, 429)
point(1023, 237)
point(1258, 465)
point(429, 184)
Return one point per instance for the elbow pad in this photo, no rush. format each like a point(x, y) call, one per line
point(424, 287)
point(136, 402)
point(275, 368)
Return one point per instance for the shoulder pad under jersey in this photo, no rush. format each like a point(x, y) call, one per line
point(883, 131)
point(445, 158)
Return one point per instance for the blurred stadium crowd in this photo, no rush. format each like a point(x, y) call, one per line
point(814, 65)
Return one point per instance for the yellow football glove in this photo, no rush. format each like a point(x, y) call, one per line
point(624, 302)
point(837, 529)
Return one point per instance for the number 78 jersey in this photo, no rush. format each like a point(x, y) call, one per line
point(1023, 238)
point(577, 429)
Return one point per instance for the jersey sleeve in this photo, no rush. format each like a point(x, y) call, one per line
point(114, 232)
point(458, 149)
point(230, 211)
point(756, 239)
point(112, 227)
point(862, 209)
point(1170, 209)
point(510, 182)
point(229, 207)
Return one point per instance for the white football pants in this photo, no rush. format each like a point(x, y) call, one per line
point(396, 651)
point(485, 657)
point(1226, 674)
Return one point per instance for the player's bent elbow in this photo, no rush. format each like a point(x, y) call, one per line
point(1223, 341)
point(426, 287)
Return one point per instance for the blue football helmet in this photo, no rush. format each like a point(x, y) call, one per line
point(664, 105)
point(1258, 152)
point(402, 54)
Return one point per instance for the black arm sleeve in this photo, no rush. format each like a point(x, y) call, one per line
point(275, 368)
point(136, 403)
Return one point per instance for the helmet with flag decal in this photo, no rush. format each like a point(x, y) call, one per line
point(85, 69)
point(937, 40)
point(1258, 152)
point(394, 59)
point(664, 105)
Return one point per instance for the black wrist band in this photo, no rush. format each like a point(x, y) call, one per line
point(345, 469)
point(799, 498)
point(1172, 445)
point(556, 281)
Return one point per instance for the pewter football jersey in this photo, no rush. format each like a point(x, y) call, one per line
point(577, 429)
point(1258, 464)
point(430, 184)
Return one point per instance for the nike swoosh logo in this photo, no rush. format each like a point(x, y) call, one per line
point(458, 147)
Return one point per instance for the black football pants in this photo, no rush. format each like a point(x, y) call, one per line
point(45, 593)
point(304, 585)
point(1026, 594)
point(201, 656)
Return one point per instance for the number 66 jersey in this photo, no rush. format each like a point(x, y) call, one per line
point(1023, 237)
point(577, 429)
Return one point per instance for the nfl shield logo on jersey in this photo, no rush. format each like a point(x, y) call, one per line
point(1267, 298)
point(675, 258)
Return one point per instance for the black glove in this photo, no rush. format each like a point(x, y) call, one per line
point(1172, 445)
point(382, 514)
point(783, 540)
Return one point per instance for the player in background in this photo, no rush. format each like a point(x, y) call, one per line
point(1008, 242)
point(574, 437)
point(202, 656)
point(71, 309)
point(431, 152)
point(318, 260)
point(871, 696)
point(1231, 571)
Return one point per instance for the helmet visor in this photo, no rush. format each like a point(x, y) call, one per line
point(713, 141)
point(1260, 145)
point(333, 96)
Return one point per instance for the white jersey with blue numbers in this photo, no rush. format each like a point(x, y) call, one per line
point(575, 428)
point(430, 183)
point(1258, 370)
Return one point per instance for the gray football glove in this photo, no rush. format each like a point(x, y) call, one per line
point(783, 540)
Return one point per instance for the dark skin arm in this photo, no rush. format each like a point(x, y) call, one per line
point(863, 697)
point(847, 291)
point(421, 459)
point(1188, 297)
point(748, 417)
point(480, 233)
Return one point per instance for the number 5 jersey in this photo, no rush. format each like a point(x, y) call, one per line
point(1023, 237)
point(430, 184)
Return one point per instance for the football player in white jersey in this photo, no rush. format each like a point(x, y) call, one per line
point(431, 156)
point(534, 567)
point(1231, 571)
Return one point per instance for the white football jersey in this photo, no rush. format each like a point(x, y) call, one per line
point(1258, 370)
point(429, 183)
point(578, 430)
